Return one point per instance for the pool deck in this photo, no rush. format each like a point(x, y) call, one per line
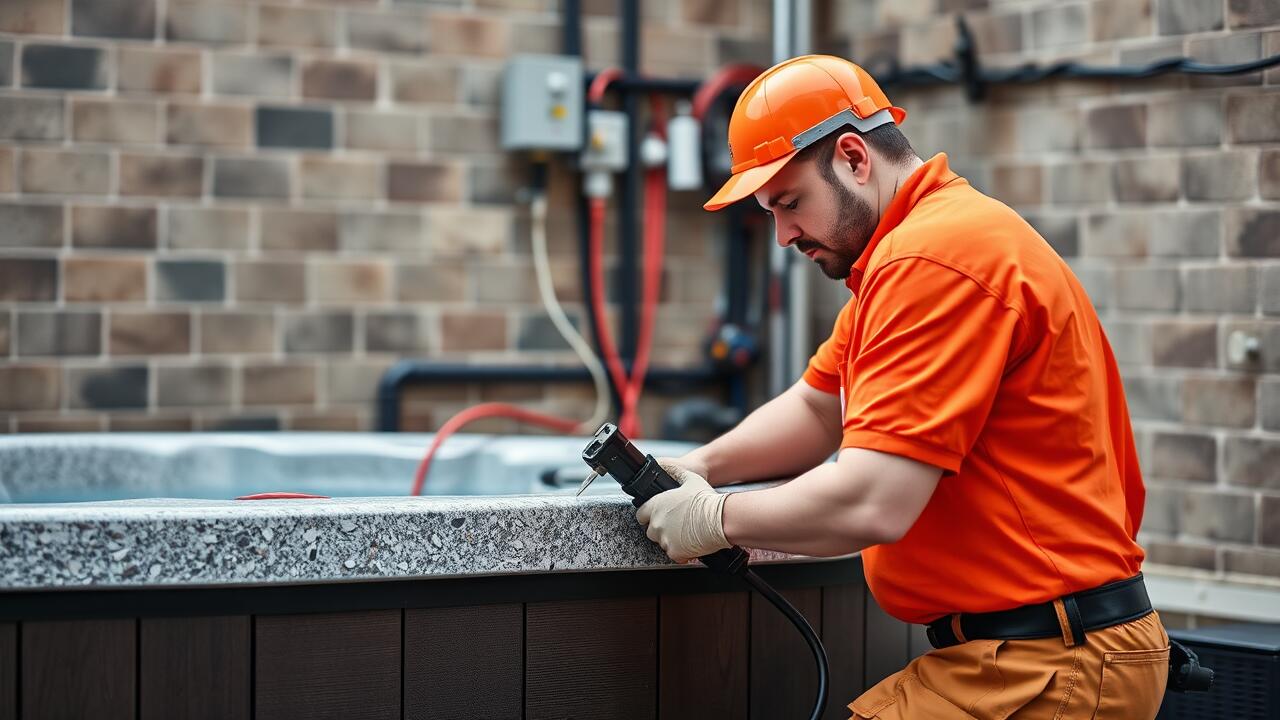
point(185, 542)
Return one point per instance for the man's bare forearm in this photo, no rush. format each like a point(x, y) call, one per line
point(783, 438)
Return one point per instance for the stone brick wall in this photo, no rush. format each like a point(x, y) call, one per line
point(220, 214)
point(1164, 196)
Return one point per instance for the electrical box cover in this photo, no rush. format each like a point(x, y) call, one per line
point(542, 101)
point(606, 147)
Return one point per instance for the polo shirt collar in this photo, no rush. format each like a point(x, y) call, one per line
point(930, 176)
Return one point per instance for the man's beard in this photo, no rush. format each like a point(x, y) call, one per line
point(848, 236)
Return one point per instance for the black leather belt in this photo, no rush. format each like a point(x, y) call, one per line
point(1069, 617)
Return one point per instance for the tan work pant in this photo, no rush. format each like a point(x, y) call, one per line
point(1118, 673)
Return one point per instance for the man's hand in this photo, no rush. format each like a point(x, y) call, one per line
point(687, 521)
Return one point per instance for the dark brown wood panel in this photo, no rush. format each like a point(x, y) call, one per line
point(8, 671)
point(195, 668)
point(464, 662)
point(784, 677)
point(79, 669)
point(843, 612)
point(703, 641)
point(591, 659)
point(328, 665)
point(888, 643)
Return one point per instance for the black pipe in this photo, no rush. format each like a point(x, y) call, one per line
point(628, 192)
point(415, 372)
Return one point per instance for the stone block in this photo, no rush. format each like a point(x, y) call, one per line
point(1147, 288)
point(298, 230)
point(1185, 344)
point(1252, 118)
point(59, 333)
point(1179, 17)
point(206, 385)
point(257, 75)
point(328, 178)
point(27, 225)
point(209, 125)
point(1223, 288)
point(319, 332)
point(118, 387)
point(1221, 176)
point(161, 175)
point(469, 330)
point(386, 32)
point(1220, 402)
point(256, 177)
point(292, 127)
point(1253, 233)
point(437, 281)
point(31, 118)
point(113, 227)
point(190, 280)
point(30, 387)
point(270, 281)
point(200, 228)
point(114, 18)
point(1182, 456)
point(279, 384)
point(1252, 462)
point(64, 172)
point(158, 70)
point(397, 232)
point(1186, 233)
point(118, 122)
point(1146, 179)
point(64, 67)
point(345, 282)
point(1252, 13)
point(287, 26)
point(207, 21)
point(387, 132)
point(1116, 127)
point(237, 332)
point(28, 279)
point(149, 333)
point(397, 332)
point(340, 80)
point(37, 17)
point(424, 182)
point(87, 279)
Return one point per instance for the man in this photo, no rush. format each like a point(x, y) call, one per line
point(986, 466)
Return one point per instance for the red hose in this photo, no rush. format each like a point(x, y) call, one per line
point(484, 410)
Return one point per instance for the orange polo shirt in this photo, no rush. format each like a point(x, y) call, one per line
point(969, 345)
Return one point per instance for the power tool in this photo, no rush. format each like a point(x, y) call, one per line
point(611, 453)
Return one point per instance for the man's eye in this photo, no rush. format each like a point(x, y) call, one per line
point(791, 205)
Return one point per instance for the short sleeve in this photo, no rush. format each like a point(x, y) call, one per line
point(933, 346)
point(823, 370)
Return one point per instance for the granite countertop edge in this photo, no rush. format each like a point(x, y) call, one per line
point(175, 543)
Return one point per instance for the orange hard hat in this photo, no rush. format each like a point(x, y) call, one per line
point(791, 106)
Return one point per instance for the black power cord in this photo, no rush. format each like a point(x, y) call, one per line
point(641, 477)
point(968, 71)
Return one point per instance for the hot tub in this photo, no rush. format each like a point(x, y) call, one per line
point(133, 584)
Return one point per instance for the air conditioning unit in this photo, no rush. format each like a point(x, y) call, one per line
point(1246, 674)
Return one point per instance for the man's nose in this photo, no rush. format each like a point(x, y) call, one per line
point(787, 234)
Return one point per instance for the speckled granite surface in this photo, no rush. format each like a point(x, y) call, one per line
point(176, 542)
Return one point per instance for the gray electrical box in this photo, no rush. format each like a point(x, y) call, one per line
point(542, 103)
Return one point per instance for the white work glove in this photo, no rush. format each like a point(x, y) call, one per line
point(686, 521)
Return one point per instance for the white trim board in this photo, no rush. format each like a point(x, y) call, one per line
point(1214, 597)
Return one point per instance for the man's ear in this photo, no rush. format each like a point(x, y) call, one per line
point(852, 156)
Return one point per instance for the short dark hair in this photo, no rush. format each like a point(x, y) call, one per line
point(887, 140)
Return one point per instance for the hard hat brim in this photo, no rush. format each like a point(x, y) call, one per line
point(745, 183)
